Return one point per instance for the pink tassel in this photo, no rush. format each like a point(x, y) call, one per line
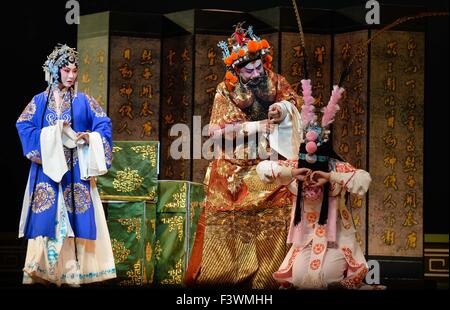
point(329, 112)
point(307, 112)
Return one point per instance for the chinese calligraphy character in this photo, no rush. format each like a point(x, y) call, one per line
point(124, 127)
point(169, 171)
point(344, 114)
point(146, 91)
point(391, 181)
point(345, 50)
point(390, 83)
point(359, 73)
point(411, 102)
point(410, 122)
point(389, 101)
point(358, 107)
point(127, 54)
point(390, 117)
point(146, 57)
point(410, 181)
point(126, 90)
point(126, 110)
point(85, 78)
point(100, 56)
point(319, 73)
point(388, 202)
point(360, 54)
point(211, 56)
point(86, 60)
point(358, 129)
point(168, 119)
point(184, 73)
point(145, 109)
point(411, 84)
point(184, 100)
point(296, 69)
point(298, 51)
point(410, 200)
point(411, 241)
point(389, 140)
point(170, 57)
point(147, 74)
point(185, 55)
point(390, 219)
point(343, 148)
point(211, 77)
point(357, 201)
point(390, 160)
point(411, 68)
point(409, 220)
point(412, 46)
point(391, 48)
point(318, 85)
point(125, 71)
point(388, 237)
point(146, 129)
point(409, 164)
point(319, 53)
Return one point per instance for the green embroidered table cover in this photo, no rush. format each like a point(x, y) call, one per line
point(178, 211)
point(132, 227)
point(148, 220)
point(134, 172)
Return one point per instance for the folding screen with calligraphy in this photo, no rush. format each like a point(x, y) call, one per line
point(350, 127)
point(396, 144)
point(134, 88)
point(176, 104)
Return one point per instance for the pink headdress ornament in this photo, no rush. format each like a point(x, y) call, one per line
point(315, 135)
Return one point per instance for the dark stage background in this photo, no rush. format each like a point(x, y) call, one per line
point(31, 30)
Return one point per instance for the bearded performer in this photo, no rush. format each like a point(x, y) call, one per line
point(324, 251)
point(67, 137)
point(240, 240)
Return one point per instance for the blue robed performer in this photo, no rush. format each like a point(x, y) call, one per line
point(68, 138)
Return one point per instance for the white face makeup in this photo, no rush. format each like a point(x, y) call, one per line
point(69, 75)
point(251, 71)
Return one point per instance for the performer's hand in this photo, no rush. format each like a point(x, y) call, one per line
point(66, 123)
point(319, 178)
point(266, 126)
point(301, 174)
point(84, 136)
point(275, 114)
point(37, 161)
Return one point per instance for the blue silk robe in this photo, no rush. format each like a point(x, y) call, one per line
point(88, 116)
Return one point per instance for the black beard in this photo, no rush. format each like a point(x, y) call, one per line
point(258, 85)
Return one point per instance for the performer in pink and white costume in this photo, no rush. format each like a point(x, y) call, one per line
point(324, 250)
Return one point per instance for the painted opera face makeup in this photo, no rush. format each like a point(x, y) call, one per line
point(252, 72)
point(69, 75)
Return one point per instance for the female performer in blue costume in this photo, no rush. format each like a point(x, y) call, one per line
point(67, 137)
